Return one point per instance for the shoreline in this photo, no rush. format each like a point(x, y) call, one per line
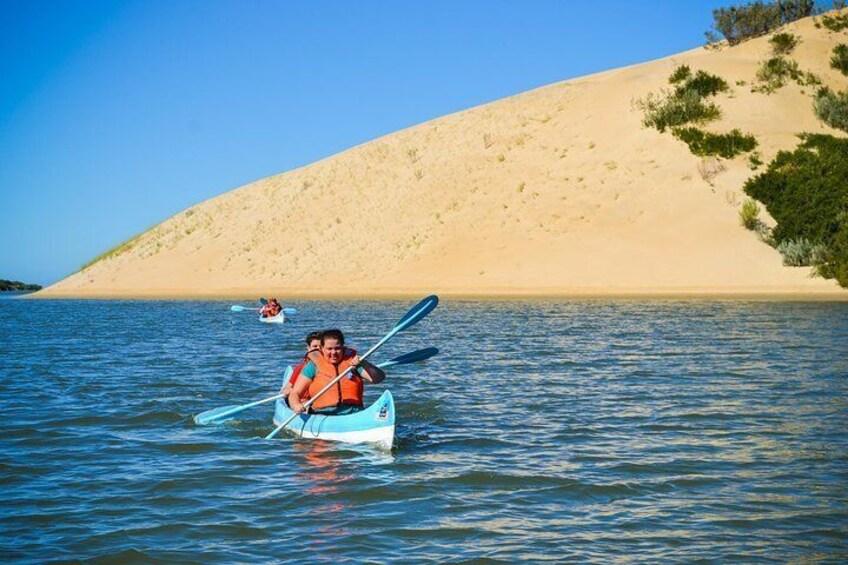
point(496, 294)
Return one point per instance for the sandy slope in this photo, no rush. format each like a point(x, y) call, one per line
point(556, 191)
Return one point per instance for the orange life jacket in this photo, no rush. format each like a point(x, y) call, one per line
point(347, 391)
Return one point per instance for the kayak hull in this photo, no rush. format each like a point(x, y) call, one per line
point(278, 319)
point(374, 425)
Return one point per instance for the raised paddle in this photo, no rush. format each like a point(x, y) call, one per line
point(416, 314)
point(218, 415)
point(237, 308)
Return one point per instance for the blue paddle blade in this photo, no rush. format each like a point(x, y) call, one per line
point(415, 356)
point(418, 312)
point(208, 417)
point(289, 310)
point(262, 301)
point(235, 308)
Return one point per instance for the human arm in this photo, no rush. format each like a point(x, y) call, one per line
point(369, 372)
point(297, 391)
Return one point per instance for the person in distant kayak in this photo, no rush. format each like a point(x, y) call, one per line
point(270, 309)
point(313, 343)
point(332, 359)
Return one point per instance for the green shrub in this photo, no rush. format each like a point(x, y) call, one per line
point(783, 43)
point(832, 108)
point(755, 161)
point(680, 74)
point(727, 145)
point(802, 252)
point(704, 84)
point(775, 72)
point(738, 23)
point(674, 109)
point(806, 192)
point(749, 215)
point(839, 60)
point(836, 22)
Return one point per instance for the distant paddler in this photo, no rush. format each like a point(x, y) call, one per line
point(270, 309)
point(324, 365)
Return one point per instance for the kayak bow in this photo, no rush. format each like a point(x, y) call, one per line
point(375, 424)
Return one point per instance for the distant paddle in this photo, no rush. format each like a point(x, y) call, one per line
point(219, 415)
point(237, 308)
point(415, 315)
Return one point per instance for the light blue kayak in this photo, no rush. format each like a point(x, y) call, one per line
point(375, 424)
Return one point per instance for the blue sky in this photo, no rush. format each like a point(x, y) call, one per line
point(117, 115)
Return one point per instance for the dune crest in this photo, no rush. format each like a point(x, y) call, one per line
point(555, 191)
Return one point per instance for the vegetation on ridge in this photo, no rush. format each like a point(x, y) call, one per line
point(739, 23)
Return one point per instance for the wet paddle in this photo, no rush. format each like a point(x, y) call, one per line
point(218, 415)
point(415, 315)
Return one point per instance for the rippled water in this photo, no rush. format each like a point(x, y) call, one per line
point(577, 431)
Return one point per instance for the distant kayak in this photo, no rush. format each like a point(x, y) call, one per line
point(278, 319)
point(375, 424)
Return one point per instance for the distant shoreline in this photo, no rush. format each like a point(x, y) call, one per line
point(585, 293)
point(18, 286)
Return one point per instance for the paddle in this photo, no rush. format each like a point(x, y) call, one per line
point(237, 308)
point(218, 415)
point(416, 314)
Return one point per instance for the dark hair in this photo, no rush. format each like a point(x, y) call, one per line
point(332, 334)
point(313, 335)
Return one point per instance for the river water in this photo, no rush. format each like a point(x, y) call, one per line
point(545, 431)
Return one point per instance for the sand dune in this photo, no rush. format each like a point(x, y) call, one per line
point(556, 191)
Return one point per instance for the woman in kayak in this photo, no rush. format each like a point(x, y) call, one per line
point(270, 309)
point(313, 343)
point(332, 359)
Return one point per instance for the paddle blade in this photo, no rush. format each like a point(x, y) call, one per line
point(415, 356)
point(289, 311)
point(209, 417)
point(418, 312)
point(262, 301)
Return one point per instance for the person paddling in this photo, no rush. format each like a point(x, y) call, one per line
point(324, 365)
point(313, 343)
point(270, 308)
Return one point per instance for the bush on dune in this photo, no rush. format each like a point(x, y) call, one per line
point(726, 145)
point(670, 110)
point(802, 252)
point(839, 59)
point(806, 192)
point(686, 104)
point(783, 43)
point(703, 83)
point(832, 108)
point(749, 215)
